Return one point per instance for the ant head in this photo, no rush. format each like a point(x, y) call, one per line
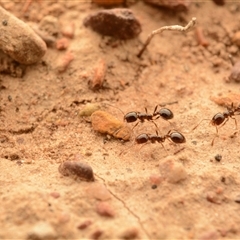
point(165, 113)
point(142, 138)
point(131, 117)
point(218, 118)
point(177, 137)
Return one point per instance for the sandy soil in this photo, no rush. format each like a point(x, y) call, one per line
point(197, 197)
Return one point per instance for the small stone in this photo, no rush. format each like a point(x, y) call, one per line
point(64, 62)
point(55, 194)
point(97, 234)
point(62, 44)
point(237, 199)
point(236, 38)
point(218, 157)
point(212, 197)
point(19, 41)
point(98, 191)
point(155, 179)
point(131, 233)
point(177, 5)
point(89, 109)
point(105, 209)
point(50, 25)
point(68, 30)
point(42, 231)
point(99, 75)
point(84, 224)
point(219, 2)
point(104, 122)
point(171, 170)
point(235, 72)
point(119, 23)
point(77, 169)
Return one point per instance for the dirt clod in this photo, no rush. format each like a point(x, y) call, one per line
point(42, 231)
point(105, 209)
point(64, 61)
point(235, 72)
point(130, 233)
point(104, 122)
point(77, 169)
point(68, 30)
point(178, 5)
point(236, 38)
point(84, 224)
point(19, 41)
point(98, 191)
point(118, 23)
point(172, 170)
point(99, 75)
point(50, 25)
point(62, 44)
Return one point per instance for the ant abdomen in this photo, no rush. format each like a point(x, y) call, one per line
point(165, 113)
point(218, 119)
point(142, 138)
point(177, 137)
point(131, 117)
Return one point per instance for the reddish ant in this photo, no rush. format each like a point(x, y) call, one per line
point(164, 113)
point(221, 118)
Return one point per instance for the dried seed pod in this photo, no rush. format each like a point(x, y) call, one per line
point(99, 75)
point(235, 73)
point(77, 169)
point(104, 122)
point(119, 23)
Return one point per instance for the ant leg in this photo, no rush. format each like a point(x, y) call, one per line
point(155, 125)
point(154, 112)
point(212, 143)
point(146, 110)
point(135, 125)
point(199, 124)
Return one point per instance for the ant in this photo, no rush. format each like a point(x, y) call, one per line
point(164, 113)
point(221, 118)
point(175, 137)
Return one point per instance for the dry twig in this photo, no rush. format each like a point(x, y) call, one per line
point(187, 28)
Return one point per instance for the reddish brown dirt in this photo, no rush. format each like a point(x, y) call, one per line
point(41, 127)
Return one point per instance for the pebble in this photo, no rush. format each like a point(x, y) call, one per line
point(105, 209)
point(99, 75)
point(84, 224)
point(89, 109)
point(236, 38)
point(219, 2)
point(106, 123)
point(98, 191)
point(19, 41)
point(77, 169)
point(108, 3)
point(42, 231)
point(131, 233)
point(212, 197)
point(64, 62)
point(235, 72)
point(155, 179)
point(62, 43)
point(218, 157)
point(68, 30)
point(97, 234)
point(237, 199)
point(177, 5)
point(119, 23)
point(50, 25)
point(171, 170)
point(55, 194)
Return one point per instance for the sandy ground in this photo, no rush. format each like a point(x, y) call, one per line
point(147, 192)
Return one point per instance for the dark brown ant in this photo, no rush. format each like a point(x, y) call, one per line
point(175, 137)
point(220, 119)
point(164, 113)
